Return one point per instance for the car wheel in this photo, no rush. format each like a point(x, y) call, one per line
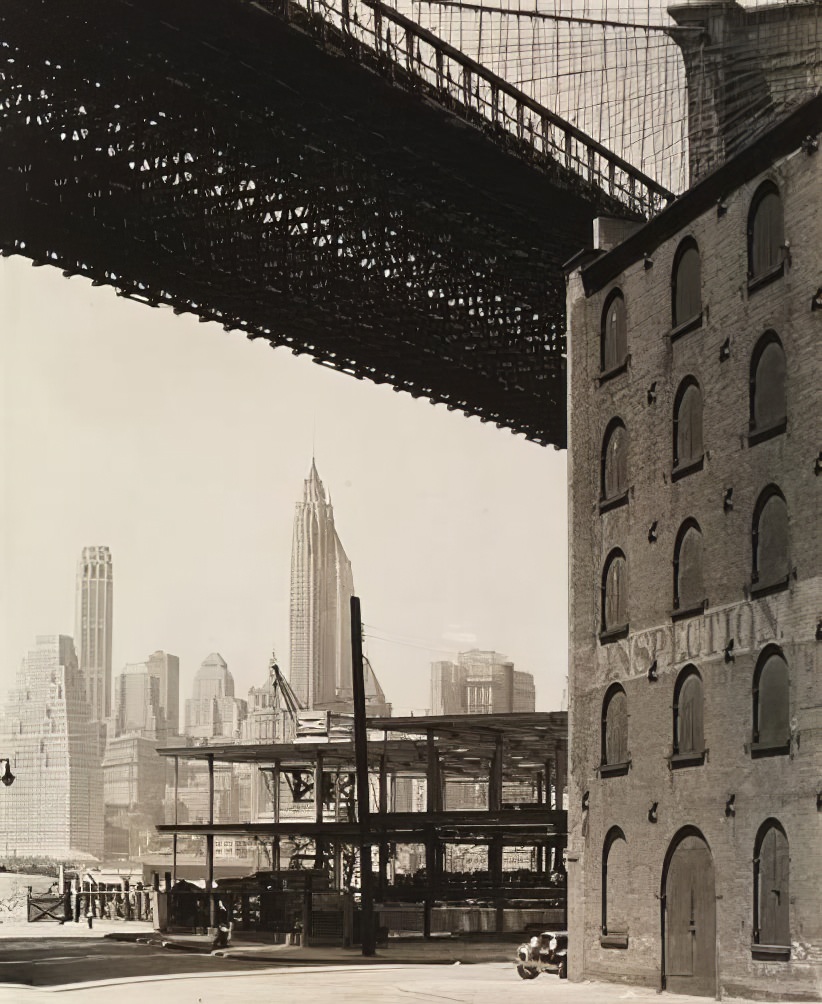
point(527, 972)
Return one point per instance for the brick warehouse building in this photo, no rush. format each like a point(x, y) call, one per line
point(695, 787)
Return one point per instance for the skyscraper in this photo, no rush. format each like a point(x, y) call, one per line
point(167, 670)
point(55, 806)
point(480, 683)
point(213, 711)
point(137, 702)
point(321, 588)
point(95, 594)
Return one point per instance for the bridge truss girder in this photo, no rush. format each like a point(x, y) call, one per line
point(217, 159)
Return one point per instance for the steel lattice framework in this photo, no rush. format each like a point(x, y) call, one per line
point(274, 174)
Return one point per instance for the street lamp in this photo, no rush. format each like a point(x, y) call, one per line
point(8, 777)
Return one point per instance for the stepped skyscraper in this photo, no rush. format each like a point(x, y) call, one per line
point(92, 636)
point(55, 807)
point(321, 588)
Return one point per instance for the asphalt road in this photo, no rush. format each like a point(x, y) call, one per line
point(57, 961)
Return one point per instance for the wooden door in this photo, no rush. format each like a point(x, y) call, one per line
point(690, 920)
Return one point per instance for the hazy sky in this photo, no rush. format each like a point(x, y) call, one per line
point(184, 449)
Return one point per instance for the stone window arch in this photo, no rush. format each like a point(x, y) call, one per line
point(614, 462)
point(766, 235)
point(614, 333)
point(770, 567)
point(771, 704)
point(686, 287)
point(688, 445)
point(689, 713)
point(614, 613)
point(768, 386)
point(771, 888)
point(689, 584)
point(614, 738)
point(615, 886)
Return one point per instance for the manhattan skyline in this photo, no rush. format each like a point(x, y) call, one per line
point(184, 449)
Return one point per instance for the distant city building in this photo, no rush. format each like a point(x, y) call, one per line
point(55, 806)
point(134, 783)
point(480, 683)
point(137, 702)
point(213, 712)
point(167, 670)
point(321, 589)
point(93, 623)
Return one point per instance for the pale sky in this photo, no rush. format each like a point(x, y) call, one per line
point(184, 449)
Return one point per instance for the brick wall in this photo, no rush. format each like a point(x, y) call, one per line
point(784, 787)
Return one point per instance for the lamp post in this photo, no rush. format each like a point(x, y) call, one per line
point(7, 777)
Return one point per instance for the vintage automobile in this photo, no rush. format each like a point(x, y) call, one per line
point(544, 953)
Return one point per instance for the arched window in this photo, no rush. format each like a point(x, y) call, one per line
point(771, 560)
point(772, 924)
point(614, 336)
point(689, 587)
point(614, 462)
point(766, 234)
point(771, 704)
point(768, 388)
point(687, 427)
point(686, 286)
point(615, 871)
point(689, 737)
point(614, 731)
point(615, 594)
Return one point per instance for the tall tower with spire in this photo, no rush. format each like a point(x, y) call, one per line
point(321, 588)
point(95, 595)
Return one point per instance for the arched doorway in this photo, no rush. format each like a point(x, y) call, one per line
point(689, 916)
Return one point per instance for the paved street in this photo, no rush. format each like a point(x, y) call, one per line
point(54, 961)
point(96, 972)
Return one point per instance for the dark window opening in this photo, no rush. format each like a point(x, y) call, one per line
point(614, 336)
point(615, 872)
point(686, 287)
point(771, 560)
point(688, 449)
point(772, 927)
point(614, 614)
point(689, 737)
point(614, 463)
point(768, 389)
point(689, 587)
point(771, 705)
point(614, 732)
point(766, 235)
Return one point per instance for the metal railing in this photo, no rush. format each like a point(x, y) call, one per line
point(416, 58)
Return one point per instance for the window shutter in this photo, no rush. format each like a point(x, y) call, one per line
point(616, 607)
point(769, 387)
point(687, 287)
point(616, 729)
point(774, 908)
point(615, 335)
point(690, 738)
point(689, 426)
point(616, 891)
point(773, 703)
point(768, 234)
point(773, 562)
point(616, 463)
point(691, 590)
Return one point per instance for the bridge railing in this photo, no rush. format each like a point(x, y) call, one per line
point(405, 49)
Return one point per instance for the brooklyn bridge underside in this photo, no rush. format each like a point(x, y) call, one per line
point(269, 175)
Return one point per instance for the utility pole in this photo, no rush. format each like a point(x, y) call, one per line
point(361, 756)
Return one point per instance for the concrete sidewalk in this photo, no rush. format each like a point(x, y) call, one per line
point(399, 951)
point(133, 929)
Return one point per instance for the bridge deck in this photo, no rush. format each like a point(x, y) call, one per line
point(274, 176)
